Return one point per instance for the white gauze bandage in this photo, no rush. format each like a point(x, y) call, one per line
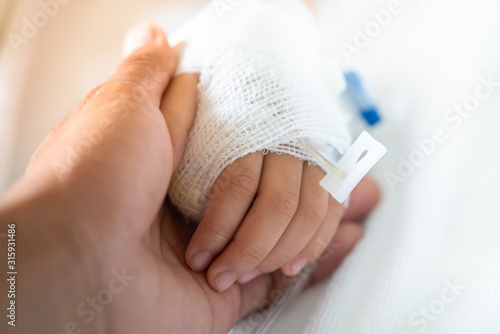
point(265, 82)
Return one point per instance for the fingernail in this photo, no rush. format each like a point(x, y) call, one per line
point(200, 261)
point(224, 280)
point(297, 266)
point(248, 277)
point(138, 36)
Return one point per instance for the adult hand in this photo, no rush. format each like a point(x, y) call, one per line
point(98, 250)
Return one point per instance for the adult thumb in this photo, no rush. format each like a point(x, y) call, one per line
point(149, 62)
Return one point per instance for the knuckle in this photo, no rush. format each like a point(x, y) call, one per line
point(221, 232)
point(314, 213)
point(284, 204)
point(243, 184)
point(253, 254)
point(149, 62)
point(143, 71)
point(275, 260)
point(92, 95)
point(94, 92)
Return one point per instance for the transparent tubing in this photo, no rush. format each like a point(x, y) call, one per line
point(335, 170)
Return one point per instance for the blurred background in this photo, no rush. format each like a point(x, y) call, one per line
point(433, 68)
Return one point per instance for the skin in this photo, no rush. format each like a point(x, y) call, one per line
point(271, 213)
point(264, 213)
point(82, 221)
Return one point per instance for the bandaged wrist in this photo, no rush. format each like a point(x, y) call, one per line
point(265, 83)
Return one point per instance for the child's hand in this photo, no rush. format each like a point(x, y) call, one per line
point(264, 212)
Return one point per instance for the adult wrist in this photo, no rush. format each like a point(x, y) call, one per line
point(49, 268)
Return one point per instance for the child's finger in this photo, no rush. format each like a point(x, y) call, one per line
point(230, 198)
point(260, 291)
point(319, 241)
point(311, 212)
point(274, 206)
point(178, 106)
